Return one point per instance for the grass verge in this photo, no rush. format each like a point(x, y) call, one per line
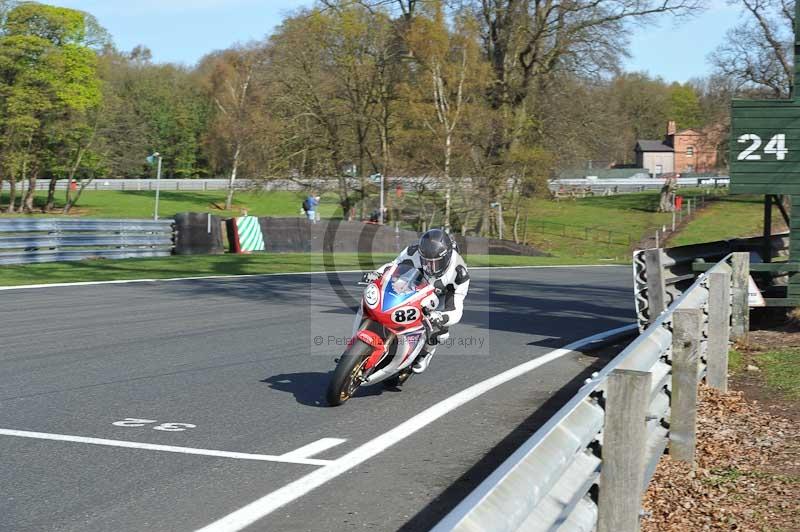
point(781, 370)
point(597, 227)
point(729, 217)
point(778, 369)
point(211, 265)
point(139, 204)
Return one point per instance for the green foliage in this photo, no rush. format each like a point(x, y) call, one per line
point(48, 85)
point(60, 26)
point(684, 106)
point(452, 89)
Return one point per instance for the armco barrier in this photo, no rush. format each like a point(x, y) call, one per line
point(662, 274)
point(27, 241)
point(630, 185)
point(587, 467)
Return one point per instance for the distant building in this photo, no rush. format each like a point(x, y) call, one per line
point(684, 151)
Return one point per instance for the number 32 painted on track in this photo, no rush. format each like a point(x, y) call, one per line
point(168, 427)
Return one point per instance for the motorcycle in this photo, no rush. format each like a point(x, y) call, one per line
point(392, 334)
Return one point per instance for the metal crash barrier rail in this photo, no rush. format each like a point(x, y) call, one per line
point(27, 241)
point(661, 274)
point(587, 467)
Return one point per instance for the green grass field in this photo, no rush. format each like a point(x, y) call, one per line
point(134, 204)
point(598, 227)
point(212, 265)
point(730, 217)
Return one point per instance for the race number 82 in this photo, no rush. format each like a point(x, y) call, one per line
point(776, 145)
point(404, 315)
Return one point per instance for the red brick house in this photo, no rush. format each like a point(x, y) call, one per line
point(684, 151)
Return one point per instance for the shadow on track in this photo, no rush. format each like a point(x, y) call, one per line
point(527, 306)
point(309, 388)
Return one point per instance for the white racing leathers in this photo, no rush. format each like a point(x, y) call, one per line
point(451, 287)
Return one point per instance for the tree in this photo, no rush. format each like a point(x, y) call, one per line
point(684, 106)
point(757, 54)
point(233, 83)
point(452, 63)
point(328, 78)
point(47, 72)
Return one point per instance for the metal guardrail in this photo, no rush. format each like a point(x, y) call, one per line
point(277, 183)
point(567, 476)
point(672, 268)
point(135, 185)
point(27, 241)
point(629, 185)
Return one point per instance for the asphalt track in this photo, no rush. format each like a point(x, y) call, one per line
point(115, 400)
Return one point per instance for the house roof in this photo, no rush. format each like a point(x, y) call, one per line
point(653, 145)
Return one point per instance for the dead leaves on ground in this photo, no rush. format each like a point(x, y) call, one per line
point(747, 475)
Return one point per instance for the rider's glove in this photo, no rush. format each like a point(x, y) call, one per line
point(437, 319)
point(370, 277)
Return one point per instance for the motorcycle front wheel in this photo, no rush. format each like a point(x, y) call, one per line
point(347, 376)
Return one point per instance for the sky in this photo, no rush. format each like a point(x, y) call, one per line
point(182, 31)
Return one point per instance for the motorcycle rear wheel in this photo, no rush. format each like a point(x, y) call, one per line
point(346, 377)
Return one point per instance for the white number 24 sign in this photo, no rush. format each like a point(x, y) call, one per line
point(776, 145)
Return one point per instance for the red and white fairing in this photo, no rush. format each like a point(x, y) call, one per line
point(397, 303)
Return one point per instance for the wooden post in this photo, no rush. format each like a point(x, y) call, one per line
point(687, 329)
point(624, 447)
point(767, 250)
point(740, 322)
point(656, 287)
point(719, 328)
point(793, 290)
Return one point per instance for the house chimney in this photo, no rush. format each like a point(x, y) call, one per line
point(671, 129)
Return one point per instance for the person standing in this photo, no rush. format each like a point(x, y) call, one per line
point(310, 207)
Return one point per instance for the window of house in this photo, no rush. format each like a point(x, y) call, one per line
point(690, 151)
point(690, 168)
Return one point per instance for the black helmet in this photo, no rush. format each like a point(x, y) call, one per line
point(435, 249)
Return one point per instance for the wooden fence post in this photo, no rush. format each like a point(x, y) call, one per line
point(719, 328)
point(624, 446)
point(740, 322)
point(656, 286)
point(687, 329)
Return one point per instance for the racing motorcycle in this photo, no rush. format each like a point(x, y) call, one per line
point(391, 335)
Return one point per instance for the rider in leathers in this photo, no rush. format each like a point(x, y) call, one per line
point(436, 255)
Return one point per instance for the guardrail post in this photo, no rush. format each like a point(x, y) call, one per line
point(656, 286)
point(740, 321)
point(687, 329)
point(624, 445)
point(719, 328)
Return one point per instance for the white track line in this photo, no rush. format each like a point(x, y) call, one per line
point(307, 451)
point(267, 504)
point(166, 448)
point(245, 276)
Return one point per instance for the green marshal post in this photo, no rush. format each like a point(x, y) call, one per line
point(765, 159)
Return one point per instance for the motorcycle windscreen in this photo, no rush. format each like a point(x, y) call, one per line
point(405, 282)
